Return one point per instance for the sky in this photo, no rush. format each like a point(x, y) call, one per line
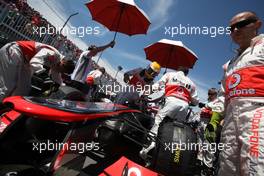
point(170, 19)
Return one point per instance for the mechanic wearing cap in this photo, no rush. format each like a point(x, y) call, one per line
point(244, 90)
point(93, 80)
point(209, 119)
point(20, 59)
point(137, 79)
point(213, 104)
point(84, 63)
point(94, 77)
point(180, 92)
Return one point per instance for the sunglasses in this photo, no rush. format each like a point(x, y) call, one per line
point(242, 24)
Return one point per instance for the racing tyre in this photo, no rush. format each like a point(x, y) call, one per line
point(169, 159)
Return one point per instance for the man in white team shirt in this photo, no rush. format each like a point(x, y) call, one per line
point(180, 92)
point(84, 63)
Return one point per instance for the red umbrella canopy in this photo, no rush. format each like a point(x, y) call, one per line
point(120, 16)
point(171, 54)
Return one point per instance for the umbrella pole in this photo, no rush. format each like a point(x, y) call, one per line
point(168, 60)
point(118, 24)
point(115, 36)
point(99, 57)
point(119, 18)
point(165, 71)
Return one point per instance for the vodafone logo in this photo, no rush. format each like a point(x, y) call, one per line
point(180, 90)
point(234, 81)
point(128, 168)
point(134, 171)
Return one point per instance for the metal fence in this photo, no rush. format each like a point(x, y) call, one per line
point(14, 26)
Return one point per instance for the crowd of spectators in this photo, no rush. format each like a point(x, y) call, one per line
point(64, 45)
point(17, 7)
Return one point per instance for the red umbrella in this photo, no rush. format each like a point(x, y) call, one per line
point(171, 54)
point(120, 16)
